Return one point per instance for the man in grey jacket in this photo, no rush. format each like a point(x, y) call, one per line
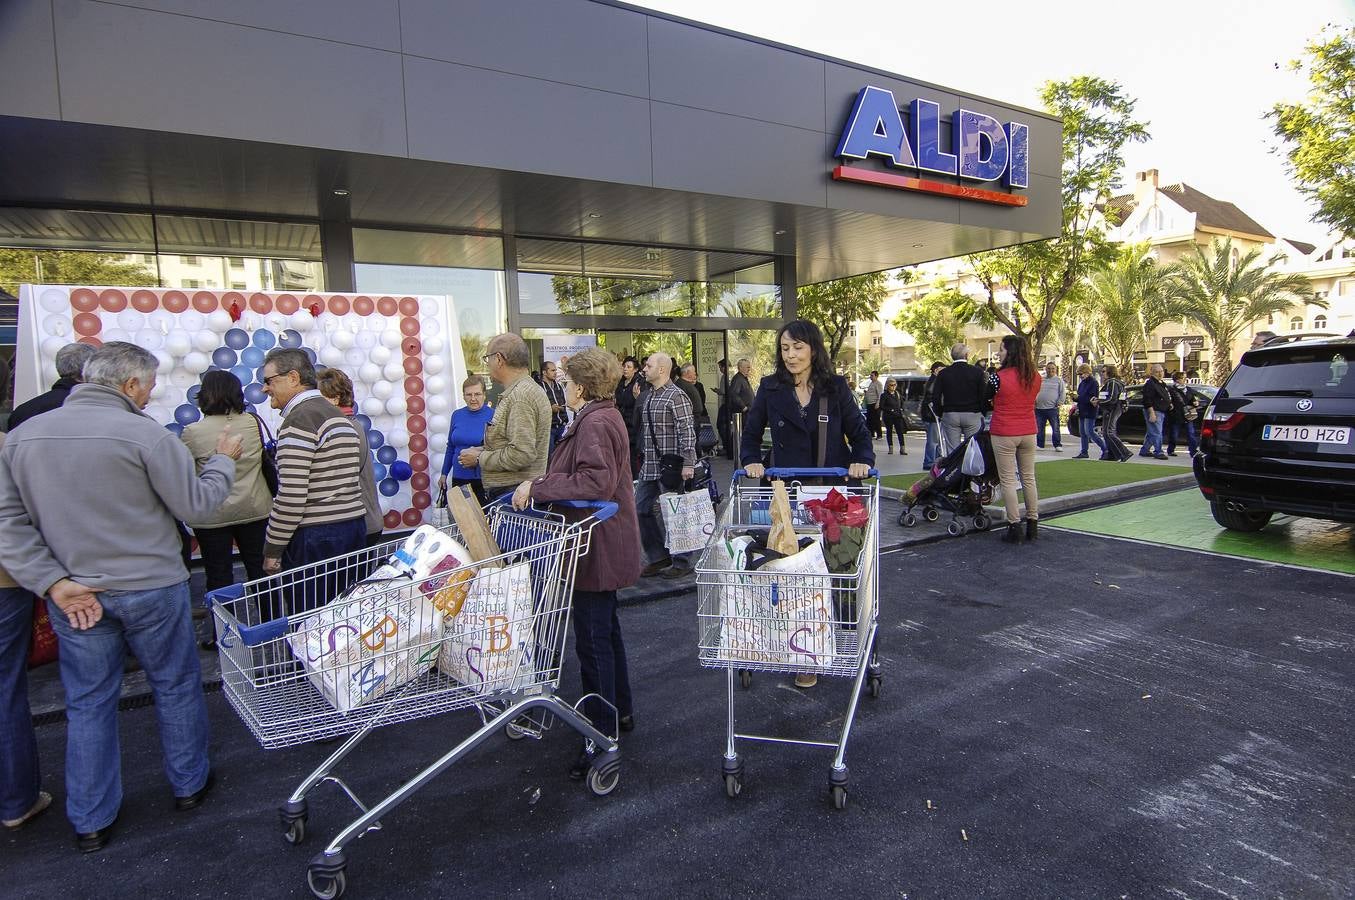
point(89, 495)
point(1047, 403)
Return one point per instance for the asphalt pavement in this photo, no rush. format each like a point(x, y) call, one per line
point(1077, 718)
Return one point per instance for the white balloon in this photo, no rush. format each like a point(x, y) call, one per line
point(302, 320)
point(158, 412)
point(114, 334)
point(130, 320)
point(367, 339)
point(177, 343)
point(438, 424)
point(432, 345)
point(343, 339)
point(369, 373)
point(396, 405)
point(150, 339)
point(183, 379)
point(219, 321)
point(392, 338)
point(372, 407)
point(379, 354)
point(433, 365)
point(190, 320)
point(55, 300)
point(49, 372)
point(438, 403)
point(434, 384)
point(164, 363)
point(158, 392)
point(388, 503)
point(59, 326)
point(331, 356)
point(394, 371)
point(438, 442)
point(397, 437)
point(355, 357)
point(51, 347)
point(162, 320)
point(382, 389)
point(207, 341)
point(196, 363)
point(429, 327)
point(429, 305)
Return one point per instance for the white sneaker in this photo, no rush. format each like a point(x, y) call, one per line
point(1058, 449)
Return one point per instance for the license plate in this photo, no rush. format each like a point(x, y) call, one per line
point(1306, 434)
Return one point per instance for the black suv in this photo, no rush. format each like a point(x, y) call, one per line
point(1280, 436)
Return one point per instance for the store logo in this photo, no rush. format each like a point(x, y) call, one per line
point(985, 150)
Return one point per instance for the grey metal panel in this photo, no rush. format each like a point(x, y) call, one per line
point(1045, 150)
point(708, 70)
point(472, 116)
point(844, 82)
point(28, 52)
point(697, 150)
point(367, 23)
point(201, 77)
point(582, 43)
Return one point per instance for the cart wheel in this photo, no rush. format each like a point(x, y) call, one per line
point(873, 685)
point(955, 528)
point(600, 784)
point(513, 732)
point(733, 785)
point(326, 885)
point(296, 832)
point(908, 520)
point(930, 514)
point(745, 678)
point(982, 522)
point(839, 796)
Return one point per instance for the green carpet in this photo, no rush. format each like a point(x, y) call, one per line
point(1182, 519)
point(1069, 476)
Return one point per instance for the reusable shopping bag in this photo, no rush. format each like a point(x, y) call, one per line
point(490, 639)
point(781, 613)
point(972, 464)
point(688, 520)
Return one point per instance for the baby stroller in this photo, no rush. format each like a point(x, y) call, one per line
point(947, 488)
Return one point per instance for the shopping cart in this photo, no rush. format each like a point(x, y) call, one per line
point(778, 622)
point(263, 625)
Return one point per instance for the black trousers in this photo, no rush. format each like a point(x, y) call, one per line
point(602, 657)
point(215, 546)
point(476, 485)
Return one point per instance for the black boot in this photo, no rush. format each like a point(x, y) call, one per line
point(1013, 534)
point(1032, 529)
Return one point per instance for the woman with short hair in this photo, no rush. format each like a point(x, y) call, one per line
point(592, 462)
point(336, 387)
point(468, 430)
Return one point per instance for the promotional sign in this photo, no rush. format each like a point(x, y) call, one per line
point(402, 353)
point(982, 149)
point(555, 346)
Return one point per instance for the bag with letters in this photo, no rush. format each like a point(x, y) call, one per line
point(490, 641)
point(688, 520)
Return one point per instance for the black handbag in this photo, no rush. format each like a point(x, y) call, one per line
point(268, 459)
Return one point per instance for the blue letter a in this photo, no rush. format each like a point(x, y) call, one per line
point(875, 128)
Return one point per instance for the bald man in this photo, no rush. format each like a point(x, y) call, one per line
point(667, 428)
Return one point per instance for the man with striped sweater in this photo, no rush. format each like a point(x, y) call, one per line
point(318, 512)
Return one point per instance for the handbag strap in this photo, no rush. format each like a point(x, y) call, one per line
point(823, 430)
point(265, 436)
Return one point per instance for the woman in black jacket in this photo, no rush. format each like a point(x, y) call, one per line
point(891, 412)
point(627, 390)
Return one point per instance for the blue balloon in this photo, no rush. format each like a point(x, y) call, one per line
point(364, 421)
point(310, 354)
point(386, 455)
point(244, 374)
point(252, 357)
point(193, 393)
point(401, 471)
point(174, 427)
point(187, 414)
point(224, 357)
point(264, 338)
point(375, 439)
point(258, 374)
point(378, 471)
point(254, 393)
point(237, 339)
point(290, 339)
point(389, 487)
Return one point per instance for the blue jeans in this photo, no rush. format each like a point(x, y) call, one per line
point(1086, 429)
point(19, 776)
point(932, 445)
point(1173, 429)
point(1051, 416)
point(312, 544)
point(158, 626)
point(1152, 437)
point(602, 657)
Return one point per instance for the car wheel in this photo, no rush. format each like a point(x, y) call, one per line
point(1238, 519)
point(1073, 424)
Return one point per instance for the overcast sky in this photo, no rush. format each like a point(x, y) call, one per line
point(1203, 71)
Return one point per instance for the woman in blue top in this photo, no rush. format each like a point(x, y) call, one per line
point(468, 430)
point(1087, 403)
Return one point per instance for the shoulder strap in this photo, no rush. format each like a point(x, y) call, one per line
point(648, 414)
point(265, 436)
point(823, 429)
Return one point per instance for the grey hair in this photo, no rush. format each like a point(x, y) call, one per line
point(71, 359)
point(686, 367)
point(297, 361)
point(742, 362)
point(959, 351)
point(513, 348)
point(116, 362)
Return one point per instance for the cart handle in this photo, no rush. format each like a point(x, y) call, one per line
point(805, 473)
point(602, 509)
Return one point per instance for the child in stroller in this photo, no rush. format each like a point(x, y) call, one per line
point(947, 488)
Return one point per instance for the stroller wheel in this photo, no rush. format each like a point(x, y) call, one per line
point(908, 520)
point(930, 514)
point(982, 522)
point(955, 528)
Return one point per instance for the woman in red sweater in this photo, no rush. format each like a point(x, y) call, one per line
point(1013, 433)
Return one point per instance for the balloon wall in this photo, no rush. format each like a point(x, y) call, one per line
point(402, 353)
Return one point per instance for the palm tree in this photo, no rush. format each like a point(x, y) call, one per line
point(1126, 304)
point(1224, 295)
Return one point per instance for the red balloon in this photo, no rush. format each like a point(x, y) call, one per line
point(287, 304)
point(339, 305)
point(177, 301)
point(417, 443)
point(113, 301)
point(313, 302)
point(87, 324)
point(411, 347)
point(415, 404)
point(144, 301)
point(422, 500)
point(414, 385)
point(409, 306)
point(261, 303)
point(409, 326)
point(416, 424)
point(413, 517)
point(418, 462)
point(387, 306)
point(391, 519)
point(206, 302)
point(84, 300)
point(412, 365)
point(419, 481)
point(363, 306)
point(92, 341)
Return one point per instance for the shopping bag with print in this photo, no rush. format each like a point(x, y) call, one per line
point(688, 520)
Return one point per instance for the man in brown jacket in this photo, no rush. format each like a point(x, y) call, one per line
point(517, 439)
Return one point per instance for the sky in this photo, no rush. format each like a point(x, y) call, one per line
point(1204, 72)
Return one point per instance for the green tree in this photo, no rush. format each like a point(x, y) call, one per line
point(933, 322)
point(1318, 134)
point(1098, 122)
point(1224, 295)
point(70, 267)
point(835, 305)
point(1125, 304)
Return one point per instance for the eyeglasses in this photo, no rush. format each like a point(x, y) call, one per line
point(488, 356)
point(268, 381)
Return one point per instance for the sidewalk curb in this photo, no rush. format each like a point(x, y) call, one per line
point(1083, 499)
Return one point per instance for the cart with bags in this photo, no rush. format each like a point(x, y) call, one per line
point(788, 584)
point(407, 630)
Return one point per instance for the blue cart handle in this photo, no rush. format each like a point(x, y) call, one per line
point(602, 509)
point(805, 473)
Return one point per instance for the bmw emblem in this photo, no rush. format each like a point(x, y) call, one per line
point(1304, 405)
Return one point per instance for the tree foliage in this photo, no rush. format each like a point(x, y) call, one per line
point(19, 266)
point(1125, 304)
point(1224, 295)
point(1318, 134)
point(835, 305)
point(1098, 122)
point(934, 324)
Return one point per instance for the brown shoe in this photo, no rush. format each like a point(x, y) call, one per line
point(655, 568)
point(806, 681)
